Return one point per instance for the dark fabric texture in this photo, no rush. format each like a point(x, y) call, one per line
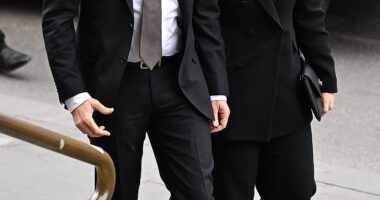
point(263, 40)
point(151, 101)
point(92, 58)
point(2, 39)
point(280, 169)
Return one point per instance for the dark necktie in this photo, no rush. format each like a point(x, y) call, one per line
point(150, 41)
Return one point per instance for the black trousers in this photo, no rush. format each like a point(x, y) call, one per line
point(281, 169)
point(152, 102)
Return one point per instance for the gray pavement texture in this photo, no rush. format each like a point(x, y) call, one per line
point(347, 150)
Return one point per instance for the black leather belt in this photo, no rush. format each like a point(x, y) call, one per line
point(165, 59)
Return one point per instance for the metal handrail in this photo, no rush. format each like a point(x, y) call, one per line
point(67, 146)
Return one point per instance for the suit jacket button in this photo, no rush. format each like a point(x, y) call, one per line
point(244, 3)
point(131, 26)
point(251, 32)
point(123, 60)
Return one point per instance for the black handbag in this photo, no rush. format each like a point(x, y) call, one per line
point(312, 85)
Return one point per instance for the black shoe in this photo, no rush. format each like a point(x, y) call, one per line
point(11, 59)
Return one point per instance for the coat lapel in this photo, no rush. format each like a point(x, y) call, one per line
point(271, 10)
point(184, 6)
point(130, 5)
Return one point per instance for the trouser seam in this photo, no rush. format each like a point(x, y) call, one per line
point(198, 158)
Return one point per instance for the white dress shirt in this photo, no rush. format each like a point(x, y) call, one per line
point(171, 33)
point(171, 42)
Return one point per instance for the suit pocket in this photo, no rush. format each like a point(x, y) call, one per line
point(194, 58)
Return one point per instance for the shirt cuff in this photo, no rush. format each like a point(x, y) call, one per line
point(75, 101)
point(218, 98)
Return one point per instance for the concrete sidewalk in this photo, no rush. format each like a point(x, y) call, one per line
point(29, 172)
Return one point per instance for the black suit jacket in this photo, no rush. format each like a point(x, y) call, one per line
point(92, 58)
point(263, 38)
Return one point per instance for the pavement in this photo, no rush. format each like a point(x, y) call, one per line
point(347, 150)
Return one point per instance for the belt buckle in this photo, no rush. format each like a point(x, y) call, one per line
point(143, 67)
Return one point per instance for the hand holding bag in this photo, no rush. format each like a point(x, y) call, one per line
point(312, 86)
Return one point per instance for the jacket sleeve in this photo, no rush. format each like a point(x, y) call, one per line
point(210, 46)
point(59, 35)
point(312, 37)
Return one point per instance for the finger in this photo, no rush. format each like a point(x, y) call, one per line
point(96, 130)
point(213, 130)
point(90, 129)
point(85, 130)
point(215, 122)
point(326, 105)
point(331, 106)
point(101, 108)
point(93, 135)
point(217, 129)
point(211, 125)
point(224, 119)
point(81, 125)
point(215, 109)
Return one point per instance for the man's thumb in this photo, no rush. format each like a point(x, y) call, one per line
point(215, 122)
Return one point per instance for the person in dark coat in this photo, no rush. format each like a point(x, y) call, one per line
point(268, 142)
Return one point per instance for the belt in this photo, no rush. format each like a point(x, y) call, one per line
point(165, 59)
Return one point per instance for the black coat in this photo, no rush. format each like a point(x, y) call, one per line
point(93, 58)
point(262, 46)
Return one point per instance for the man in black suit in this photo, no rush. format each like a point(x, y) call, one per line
point(157, 63)
point(268, 142)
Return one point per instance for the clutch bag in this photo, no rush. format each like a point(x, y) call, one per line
point(312, 86)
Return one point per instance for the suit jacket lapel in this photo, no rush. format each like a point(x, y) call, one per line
point(271, 10)
point(130, 5)
point(184, 6)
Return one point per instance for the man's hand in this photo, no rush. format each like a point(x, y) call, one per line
point(221, 115)
point(328, 102)
point(83, 118)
